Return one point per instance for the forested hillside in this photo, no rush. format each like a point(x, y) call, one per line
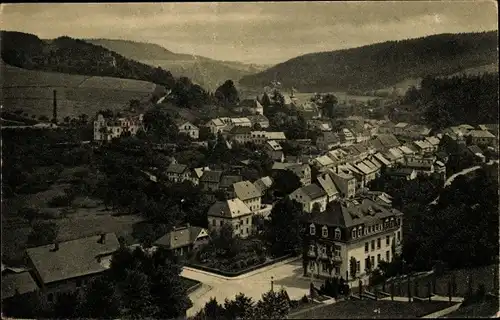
point(381, 65)
point(457, 100)
point(73, 56)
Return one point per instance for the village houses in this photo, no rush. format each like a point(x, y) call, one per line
point(183, 240)
point(249, 194)
point(310, 196)
point(108, 129)
point(233, 212)
point(187, 128)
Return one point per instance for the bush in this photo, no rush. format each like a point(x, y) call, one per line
point(304, 299)
point(262, 259)
point(251, 262)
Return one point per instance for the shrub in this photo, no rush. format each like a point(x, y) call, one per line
point(262, 259)
point(304, 299)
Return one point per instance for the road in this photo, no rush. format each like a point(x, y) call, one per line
point(460, 173)
point(286, 274)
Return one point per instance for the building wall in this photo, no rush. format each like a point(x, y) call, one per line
point(253, 204)
point(242, 226)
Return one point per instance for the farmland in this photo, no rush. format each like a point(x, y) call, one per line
point(32, 92)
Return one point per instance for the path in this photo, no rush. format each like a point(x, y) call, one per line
point(287, 274)
point(460, 173)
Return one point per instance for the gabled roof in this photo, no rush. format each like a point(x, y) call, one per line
point(406, 150)
point(433, 140)
point(400, 171)
point(475, 149)
point(181, 122)
point(257, 118)
point(401, 125)
point(481, 134)
point(395, 153)
point(251, 103)
point(312, 191)
point(246, 190)
point(364, 168)
point(213, 176)
point(229, 180)
point(388, 140)
point(326, 182)
point(199, 171)
point(324, 160)
point(281, 165)
point(422, 144)
point(274, 145)
point(330, 137)
point(232, 208)
point(217, 122)
point(381, 158)
point(180, 237)
point(263, 184)
point(20, 282)
point(74, 258)
point(176, 168)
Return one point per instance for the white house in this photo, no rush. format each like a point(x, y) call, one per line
point(188, 129)
point(309, 196)
point(108, 129)
point(233, 212)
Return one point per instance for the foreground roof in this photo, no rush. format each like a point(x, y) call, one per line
point(74, 258)
point(180, 237)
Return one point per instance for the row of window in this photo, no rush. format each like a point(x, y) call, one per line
point(387, 243)
point(324, 231)
point(388, 223)
point(335, 249)
point(324, 268)
point(372, 260)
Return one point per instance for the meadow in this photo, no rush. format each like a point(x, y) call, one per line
point(32, 92)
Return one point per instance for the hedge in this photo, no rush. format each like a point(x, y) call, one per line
point(236, 273)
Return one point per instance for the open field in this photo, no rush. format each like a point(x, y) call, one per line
point(364, 309)
point(32, 91)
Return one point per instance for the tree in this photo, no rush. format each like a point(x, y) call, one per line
point(213, 310)
point(328, 104)
point(136, 295)
point(284, 229)
point(273, 305)
point(353, 267)
point(285, 182)
point(43, 233)
point(100, 300)
point(266, 101)
point(227, 94)
point(237, 308)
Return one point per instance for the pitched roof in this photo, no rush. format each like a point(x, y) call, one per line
point(406, 150)
point(388, 140)
point(401, 125)
point(179, 237)
point(313, 191)
point(481, 134)
point(20, 282)
point(199, 171)
point(240, 130)
point(211, 176)
point(324, 160)
point(263, 184)
point(218, 122)
point(352, 213)
point(246, 190)
point(257, 118)
point(274, 145)
point(232, 208)
point(364, 168)
point(176, 168)
point(400, 171)
point(229, 180)
point(422, 144)
point(73, 259)
point(251, 103)
point(418, 165)
point(432, 140)
point(475, 149)
point(327, 184)
point(281, 165)
point(330, 137)
point(275, 135)
point(381, 158)
point(299, 169)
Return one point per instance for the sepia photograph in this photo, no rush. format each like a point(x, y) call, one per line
point(250, 160)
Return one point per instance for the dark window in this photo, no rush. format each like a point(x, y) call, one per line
point(366, 246)
point(387, 257)
point(378, 243)
point(387, 240)
point(373, 244)
point(78, 283)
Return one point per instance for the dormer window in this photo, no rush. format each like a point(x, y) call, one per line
point(360, 231)
point(392, 222)
point(324, 232)
point(312, 229)
point(353, 233)
point(337, 234)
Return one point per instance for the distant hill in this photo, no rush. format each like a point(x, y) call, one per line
point(382, 65)
point(73, 56)
point(208, 73)
point(32, 92)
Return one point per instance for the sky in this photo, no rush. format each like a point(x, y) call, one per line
point(258, 32)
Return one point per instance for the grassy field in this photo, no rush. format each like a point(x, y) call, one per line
point(86, 217)
point(32, 92)
point(364, 309)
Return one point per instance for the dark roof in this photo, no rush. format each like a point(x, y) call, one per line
point(74, 258)
point(179, 237)
point(418, 165)
point(475, 149)
point(228, 181)
point(240, 130)
point(350, 214)
point(399, 171)
point(388, 140)
point(176, 168)
point(22, 282)
point(376, 144)
point(314, 191)
point(211, 176)
point(298, 169)
point(256, 118)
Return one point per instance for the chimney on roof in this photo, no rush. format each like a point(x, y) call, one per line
point(102, 238)
point(56, 246)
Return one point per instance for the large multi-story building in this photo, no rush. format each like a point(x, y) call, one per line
point(354, 234)
point(108, 129)
point(233, 212)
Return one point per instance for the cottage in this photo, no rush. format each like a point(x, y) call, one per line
point(302, 171)
point(210, 180)
point(233, 212)
point(249, 194)
point(187, 128)
point(323, 162)
point(240, 134)
point(344, 181)
point(476, 153)
point(328, 140)
point(423, 146)
point(401, 173)
point(400, 128)
point(183, 240)
point(326, 182)
point(108, 129)
point(310, 196)
point(178, 172)
point(274, 150)
point(226, 184)
point(68, 266)
point(216, 126)
point(482, 138)
point(346, 137)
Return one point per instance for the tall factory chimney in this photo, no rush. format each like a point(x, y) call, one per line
point(54, 109)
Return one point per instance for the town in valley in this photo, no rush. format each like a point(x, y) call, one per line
point(300, 161)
